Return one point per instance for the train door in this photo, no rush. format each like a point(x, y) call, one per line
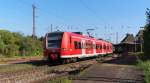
point(94, 47)
point(83, 47)
point(102, 48)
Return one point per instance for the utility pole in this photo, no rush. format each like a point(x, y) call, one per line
point(33, 8)
point(135, 44)
point(51, 28)
point(116, 37)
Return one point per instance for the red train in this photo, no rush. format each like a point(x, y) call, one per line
point(64, 46)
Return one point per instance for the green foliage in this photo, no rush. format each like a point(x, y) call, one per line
point(31, 47)
point(11, 50)
point(2, 46)
point(7, 37)
point(147, 36)
point(15, 44)
point(15, 67)
point(145, 65)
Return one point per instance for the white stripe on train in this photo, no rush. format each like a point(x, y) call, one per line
point(82, 56)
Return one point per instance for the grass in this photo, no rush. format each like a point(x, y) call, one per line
point(4, 60)
point(145, 65)
point(60, 80)
point(14, 68)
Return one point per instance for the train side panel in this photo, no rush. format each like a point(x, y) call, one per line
point(77, 46)
point(65, 45)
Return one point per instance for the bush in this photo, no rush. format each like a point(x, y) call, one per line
point(2, 46)
point(145, 65)
point(11, 50)
point(16, 44)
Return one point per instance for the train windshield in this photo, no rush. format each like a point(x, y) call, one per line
point(54, 39)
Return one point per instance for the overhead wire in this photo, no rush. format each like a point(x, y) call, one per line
point(94, 13)
point(87, 7)
point(45, 11)
point(91, 10)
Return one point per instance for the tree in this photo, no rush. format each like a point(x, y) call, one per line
point(16, 44)
point(2, 46)
point(147, 36)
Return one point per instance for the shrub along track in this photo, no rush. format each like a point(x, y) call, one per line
point(43, 72)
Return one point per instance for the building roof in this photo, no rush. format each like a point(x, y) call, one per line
point(129, 39)
point(139, 36)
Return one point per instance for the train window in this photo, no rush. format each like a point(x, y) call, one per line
point(97, 46)
point(104, 47)
point(87, 45)
point(100, 46)
point(79, 45)
point(54, 39)
point(75, 44)
point(108, 47)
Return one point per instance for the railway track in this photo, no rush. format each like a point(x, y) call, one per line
point(43, 72)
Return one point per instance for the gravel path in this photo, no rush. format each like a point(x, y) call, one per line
point(114, 71)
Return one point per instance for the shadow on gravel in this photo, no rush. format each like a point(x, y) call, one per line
point(124, 59)
point(37, 63)
point(41, 63)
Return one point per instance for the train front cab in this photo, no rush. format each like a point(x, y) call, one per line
point(52, 46)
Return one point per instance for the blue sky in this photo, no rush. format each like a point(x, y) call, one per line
point(106, 16)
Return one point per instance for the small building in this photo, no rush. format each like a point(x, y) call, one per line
point(131, 43)
point(126, 45)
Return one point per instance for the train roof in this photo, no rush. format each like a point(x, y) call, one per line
point(81, 35)
point(84, 36)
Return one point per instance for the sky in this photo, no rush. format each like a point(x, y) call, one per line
point(105, 17)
